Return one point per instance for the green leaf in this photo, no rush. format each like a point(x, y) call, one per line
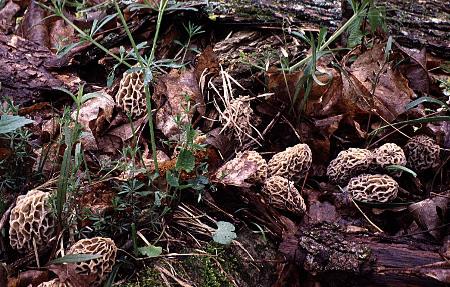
point(75, 258)
point(172, 180)
point(395, 167)
point(185, 161)
point(422, 100)
point(150, 251)
point(10, 123)
point(224, 233)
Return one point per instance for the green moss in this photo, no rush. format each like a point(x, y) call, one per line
point(148, 278)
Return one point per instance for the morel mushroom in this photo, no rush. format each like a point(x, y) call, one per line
point(31, 222)
point(422, 153)
point(99, 267)
point(282, 194)
point(131, 95)
point(389, 154)
point(292, 163)
point(239, 117)
point(373, 188)
point(349, 163)
point(261, 173)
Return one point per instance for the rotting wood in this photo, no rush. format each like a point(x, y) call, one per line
point(412, 24)
point(23, 75)
point(363, 259)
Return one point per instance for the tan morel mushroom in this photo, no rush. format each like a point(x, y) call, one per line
point(239, 117)
point(373, 188)
point(422, 153)
point(261, 173)
point(349, 163)
point(31, 220)
point(99, 267)
point(282, 194)
point(389, 154)
point(54, 283)
point(292, 163)
point(131, 95)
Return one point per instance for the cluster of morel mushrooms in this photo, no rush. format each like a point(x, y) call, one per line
point(32, 223)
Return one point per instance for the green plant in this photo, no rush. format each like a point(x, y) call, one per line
point(192, 30)
point(15, 139)
point(373, 14)
point(320, 46)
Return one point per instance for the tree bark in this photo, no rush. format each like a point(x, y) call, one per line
point(341, 259)
point(23, 75)
point(412, 24)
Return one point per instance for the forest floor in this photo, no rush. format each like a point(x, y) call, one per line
point(224, 143)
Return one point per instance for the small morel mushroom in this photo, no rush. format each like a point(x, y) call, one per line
point(389, 154)
point(99, 267)
point(422, 153)
point(373, 188)
point(282, 194)
point(54, 283)
point(239, 117)
point(261, 173)
point(349, 163)
point(131, 95)
point(31, 220)
point(292, 163)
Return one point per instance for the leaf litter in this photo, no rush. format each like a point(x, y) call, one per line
point(215, 95)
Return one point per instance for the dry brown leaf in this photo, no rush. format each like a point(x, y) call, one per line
point(236, 172)
point(32, 278)
point(392, 92)
point(61, 34)
point(430, 214)
point(173, 94)
point(95, 112)
point(415, 70)
point(68, 273)
point(34, 25)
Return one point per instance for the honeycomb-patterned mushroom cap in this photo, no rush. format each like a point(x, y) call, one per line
point(239, 117)
point(422, 153)
point(373, 188)
point(389, 154)
point(349, 163)
point(54, 283)
point(292, 163)
point(31, 220)
point(282, 194)
point(131, 94)
point(261, 173)
point(99, 267)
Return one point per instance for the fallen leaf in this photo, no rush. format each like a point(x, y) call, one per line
point(68, 273)
point(392, 92)
point(415, 70)
point(235, 172)
point(177, 96)
point(34, 27)
point(430, 214)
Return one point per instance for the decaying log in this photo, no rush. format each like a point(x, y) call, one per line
point(337, 258)
point(23, 75)
point(412, 23)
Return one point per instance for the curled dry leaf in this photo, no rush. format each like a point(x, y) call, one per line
point(236, 172)
point(34, 25)
point(392, 92)
point(430, 213)
point(177, 96)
